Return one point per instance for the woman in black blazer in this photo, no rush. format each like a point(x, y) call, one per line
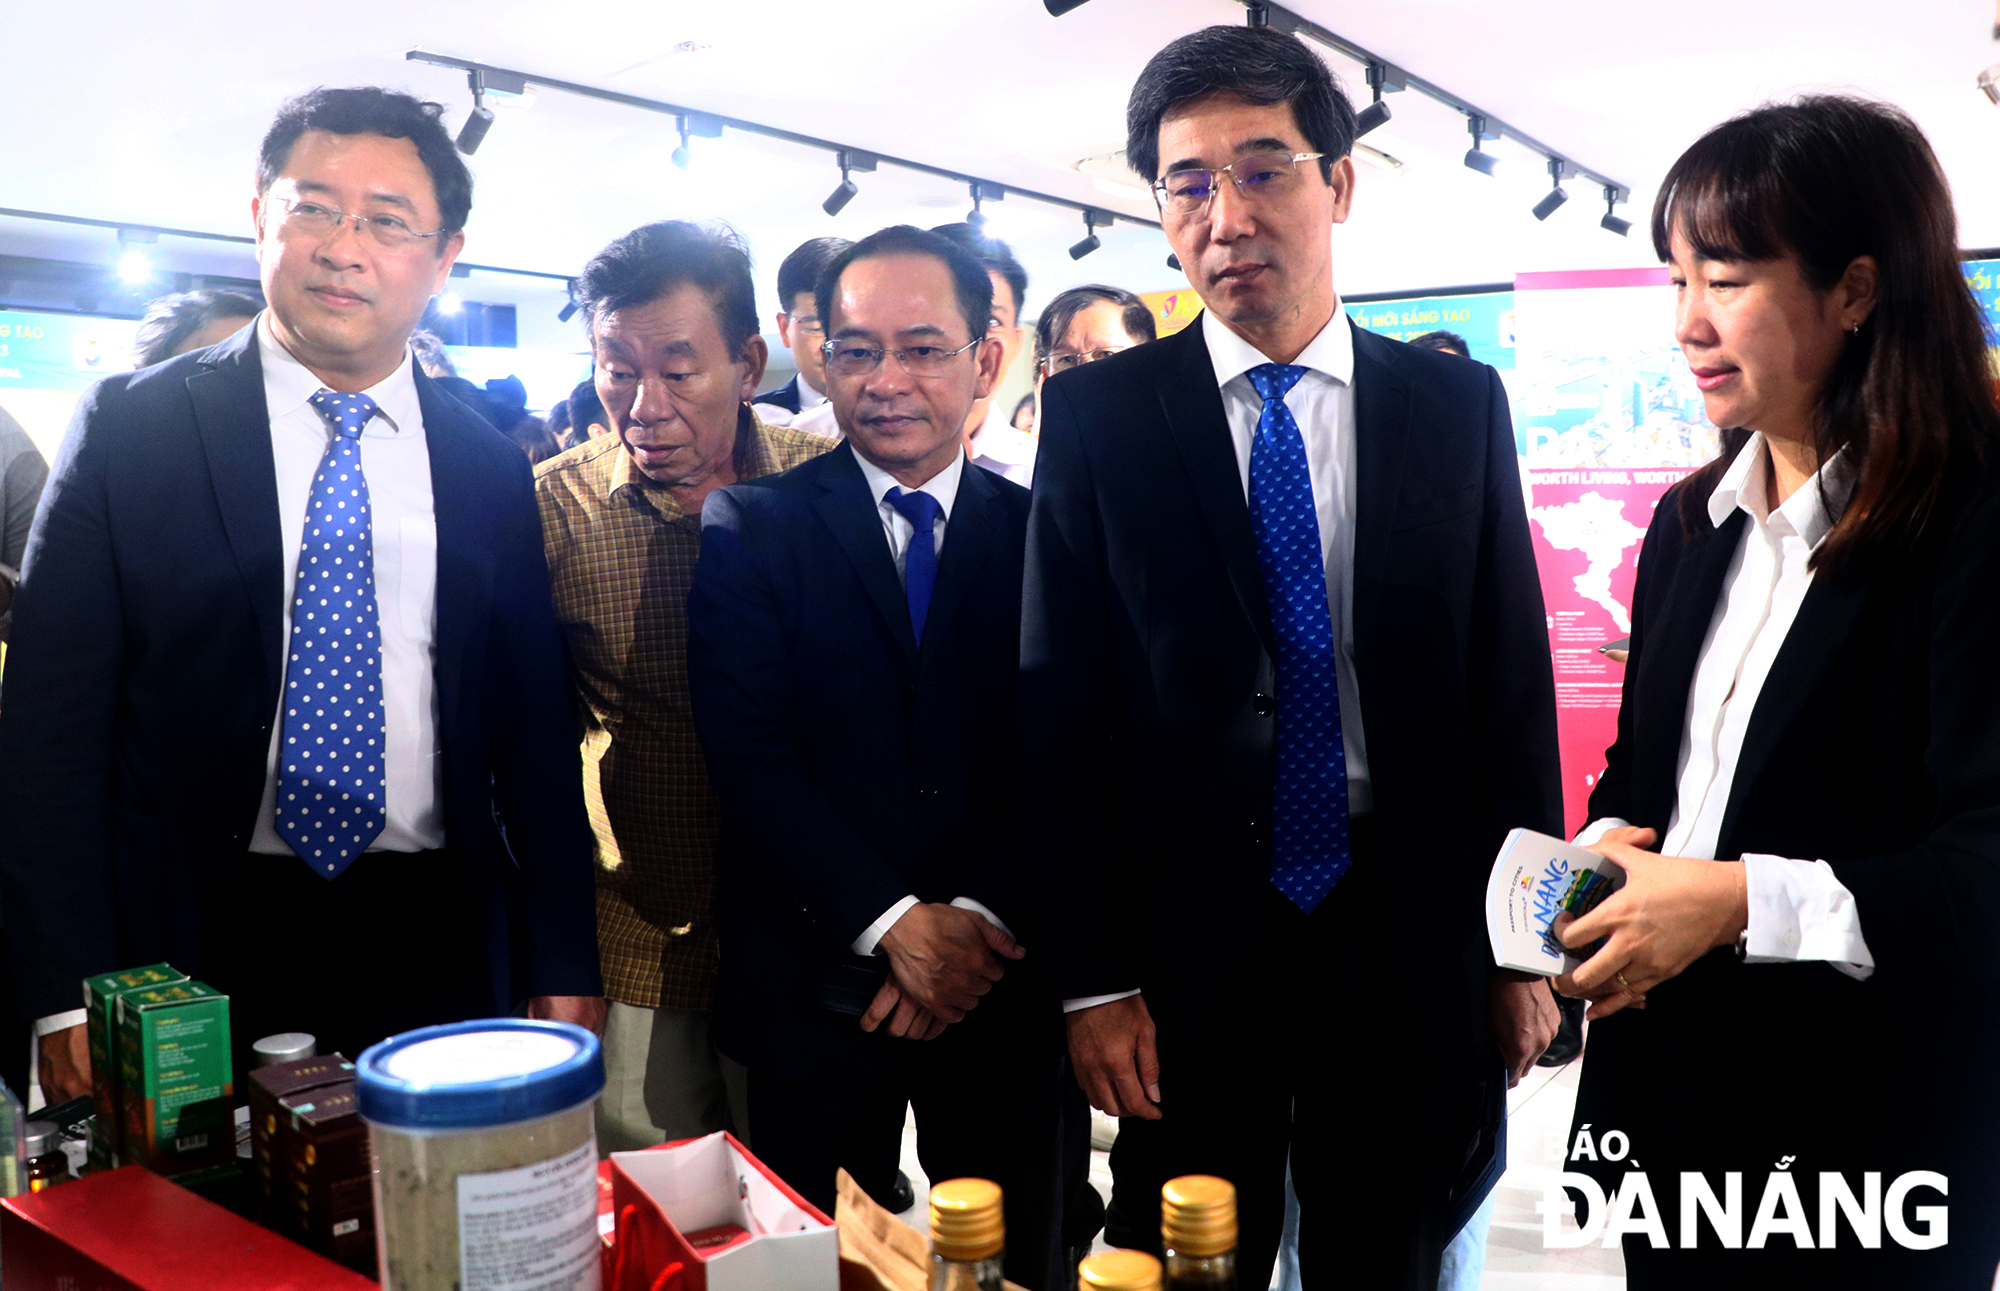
point(1797, 995)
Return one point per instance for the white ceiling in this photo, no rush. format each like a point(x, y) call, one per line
point(135, 110)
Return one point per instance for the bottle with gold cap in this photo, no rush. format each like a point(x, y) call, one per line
point(1198, 1225)
point(968, 1235)
point(1118, 1271)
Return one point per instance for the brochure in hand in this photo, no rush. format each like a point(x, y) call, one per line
point(1536, 878)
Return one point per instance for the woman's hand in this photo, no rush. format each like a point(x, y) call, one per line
point(1671, 911)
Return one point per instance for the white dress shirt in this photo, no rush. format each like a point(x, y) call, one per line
point(1799, 910)
point(395, 457)
point(899, 531)
point(1004, 450)
point(775, 415)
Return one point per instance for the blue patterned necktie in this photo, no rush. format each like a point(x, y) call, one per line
point(920, 562)
point(1309, 845)
point(331, 790)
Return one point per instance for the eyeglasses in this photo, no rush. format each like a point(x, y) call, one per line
point(317, 220)
point(1055, 363)
point(1260, 175)
point(854, 359)
point(808, 324)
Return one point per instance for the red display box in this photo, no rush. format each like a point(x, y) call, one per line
point(131, 1230)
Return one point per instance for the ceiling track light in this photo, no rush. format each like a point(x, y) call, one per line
point(568, 311)
point(1381, 77)
point(1555, 197)
point(1057, 8)
point(1093, 220)
point(134, 265)
point(681, 156)
point(983, 190)
point(849, 160)
point(480, 119)
point(1611, 223)
point(695, 125)
point(1483, 162)
point(1173, 261)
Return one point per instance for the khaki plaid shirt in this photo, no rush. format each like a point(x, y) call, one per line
point(621, 557)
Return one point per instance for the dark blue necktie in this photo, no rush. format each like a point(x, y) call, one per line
point(331, 789)
point(920, 562)
point(1309, 847)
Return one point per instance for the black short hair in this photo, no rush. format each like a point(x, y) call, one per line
point(1259, 65)
point(1059, 313)
point(801, 270)
point(172, 319)
point(370, 109)
point(968, 275)
point(996, 255)
point(1443, 343)
point(586, 409)
point(657, 259)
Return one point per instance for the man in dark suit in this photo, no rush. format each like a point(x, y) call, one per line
point(800, 331)
point(1285, 688)
point(854, 628)
point(296, 512)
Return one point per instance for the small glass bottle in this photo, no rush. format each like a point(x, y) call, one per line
point(1198, 1226)
point(43, 1158)
point(968, 1235)
point(1118, 1271)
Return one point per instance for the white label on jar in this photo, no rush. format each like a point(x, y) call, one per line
point(531, 1229)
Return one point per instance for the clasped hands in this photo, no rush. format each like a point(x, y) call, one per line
point(1671, 911)
point(942, 960)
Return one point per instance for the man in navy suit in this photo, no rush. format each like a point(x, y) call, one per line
point(853, 639)
point(297, 512)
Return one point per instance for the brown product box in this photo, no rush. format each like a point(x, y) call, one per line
point(100, 1001)
point(178, 1085)
point(323, 1158)
point(267, 1086)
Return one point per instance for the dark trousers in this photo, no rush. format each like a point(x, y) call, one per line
point(1318, 1062)
point(989, 1104)
point(386, 947)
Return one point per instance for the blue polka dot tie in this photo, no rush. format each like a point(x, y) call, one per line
point(331, 794)
point(920, 561)
point(1309, 847)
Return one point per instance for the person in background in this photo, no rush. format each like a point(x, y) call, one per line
point(673, 328)
point(1443, 343)
point(994, 442)
point(1246, 538)
point(1805, 788)
point(532, 436)
point(428, 346)
point(1085, 324)
point(557, 420)
point(22, 474)
point(189, 320)
point(799, 331)
point(587, 418)
point(162, 797)
point(853, 632)
point(1023, 419)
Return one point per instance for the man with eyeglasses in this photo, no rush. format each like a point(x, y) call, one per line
point(990, 436)
point(800, 332)
point(284, 662)
point(847, 623)
point(1285, 689)
point(1086, 324)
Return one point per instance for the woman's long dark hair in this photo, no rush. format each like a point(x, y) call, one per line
point(1828, 179)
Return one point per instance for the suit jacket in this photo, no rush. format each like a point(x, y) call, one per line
point(1146, 675)
point(1875, 746)
point(854, 768)
point(144, 673)
point(785, 396)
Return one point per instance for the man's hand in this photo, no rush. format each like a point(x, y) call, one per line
point(1671, 911)
point(945, 958)
point(908, 1021)
point(65, 1064)
point(586, 1011)
point(1524, 1019)
point(1112, 1048)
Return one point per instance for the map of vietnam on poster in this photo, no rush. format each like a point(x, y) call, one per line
point(1609, 419)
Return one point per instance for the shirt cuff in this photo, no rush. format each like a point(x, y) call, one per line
point(55, 1022)
point(1092, 1001)
point(967, 903)
point(871, 937)
point(1598, 828)
point(1799, 910)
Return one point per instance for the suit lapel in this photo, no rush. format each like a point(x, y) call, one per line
point(968, 540)
point(844, 504)
point(234, 423)
point(1381, 441)
point(1671, 654)
point(1192, 403)
point(464, 568)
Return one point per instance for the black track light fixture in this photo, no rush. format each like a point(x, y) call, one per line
point(568, 311)
point(1093, 220)
point(982, 191)
point(1173, 261)
point(849, 160)
point(1483, 162)
point(1057, 8)
point(1611, 223)
point(479, 120)
point(1381, 77)
point(1555, 197)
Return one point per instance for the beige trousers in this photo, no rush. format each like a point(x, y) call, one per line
point(663, 1079)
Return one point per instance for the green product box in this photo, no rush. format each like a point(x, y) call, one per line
point(174, 1068)
point(100, 1001)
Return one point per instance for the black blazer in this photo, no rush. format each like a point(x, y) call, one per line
point(785, 396)
point(1875, 746)
point(144, 671)
point(853, 768)
point(1146, 663)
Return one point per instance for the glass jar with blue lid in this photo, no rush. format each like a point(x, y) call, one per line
point(485, 1155)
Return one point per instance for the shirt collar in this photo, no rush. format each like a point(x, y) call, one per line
point(808, 397)
point(289, 386)
point(1810, 512)
point(1002, 441)
point(943, 486)
point(1331, 353)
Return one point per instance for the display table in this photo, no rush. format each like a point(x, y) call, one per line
point(131, 1230)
